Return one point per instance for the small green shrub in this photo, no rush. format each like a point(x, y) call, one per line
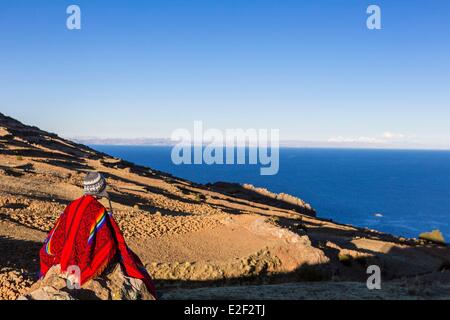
point(200, 197)
point(345, 259)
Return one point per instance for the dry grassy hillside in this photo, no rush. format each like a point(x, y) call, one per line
point(243, 241)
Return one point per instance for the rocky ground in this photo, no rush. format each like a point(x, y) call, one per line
point(202, 241)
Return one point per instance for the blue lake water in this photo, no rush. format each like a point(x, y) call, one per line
point(410, 189)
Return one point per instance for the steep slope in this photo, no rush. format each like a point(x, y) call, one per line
point(188, 235)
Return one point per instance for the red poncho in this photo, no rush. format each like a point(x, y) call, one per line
point(87, 236)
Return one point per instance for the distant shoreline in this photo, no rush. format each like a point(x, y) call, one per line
point(165, 142)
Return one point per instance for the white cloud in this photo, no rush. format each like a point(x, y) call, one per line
point(393, 136)
point(361, 139)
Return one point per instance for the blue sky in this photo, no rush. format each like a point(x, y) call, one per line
point(310, 68)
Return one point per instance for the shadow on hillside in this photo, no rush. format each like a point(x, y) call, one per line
point(319, 230)
point(79, 165)
point(140, 170)
point(12, 172)
point(128, 199)
point(230, 191)
point(399, 264)
point(305, 273)
point(17, 171)
point(72, 149)
point(30, 138)
point(37, 153)
point(11, 142)
point(62, 152)
point(20, 255)
point(145, 188)
point(238, 191)
point(8, 218)
point(242, 202)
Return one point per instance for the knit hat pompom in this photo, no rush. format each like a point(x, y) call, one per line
point(95, 185)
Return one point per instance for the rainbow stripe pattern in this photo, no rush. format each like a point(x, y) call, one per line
point(99, 222)
point(48, 245)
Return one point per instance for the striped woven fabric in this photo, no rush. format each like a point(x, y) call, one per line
point(86, 236)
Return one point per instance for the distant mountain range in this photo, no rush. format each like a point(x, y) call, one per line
point(283, 143)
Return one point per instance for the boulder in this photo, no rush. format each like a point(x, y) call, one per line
point(112, 285)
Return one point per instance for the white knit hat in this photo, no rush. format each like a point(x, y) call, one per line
point(95, 185)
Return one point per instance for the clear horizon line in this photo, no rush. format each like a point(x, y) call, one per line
point(286, 143)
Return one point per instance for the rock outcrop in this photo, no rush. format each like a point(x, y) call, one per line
point(264, 196)
point(112, 285)
point(434, 236)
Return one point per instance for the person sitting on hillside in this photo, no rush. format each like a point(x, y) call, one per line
point(87, 236)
